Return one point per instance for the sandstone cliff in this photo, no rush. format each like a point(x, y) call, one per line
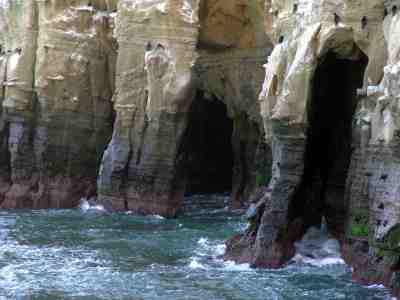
point(139, 102)
point(174, 56)
point(57, 75)
point(329, 109)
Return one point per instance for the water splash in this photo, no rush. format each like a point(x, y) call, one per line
point(195, 264)
point(158, 217)
point(90, 205)
point(318, 248)
point(231, 266)
point(60, 255)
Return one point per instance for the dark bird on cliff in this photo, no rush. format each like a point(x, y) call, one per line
point(149, 46)
point(364, 22)
point(336, 19)
point(18, 50)
point(385, 13)
point(394, 10)
point(281, 39)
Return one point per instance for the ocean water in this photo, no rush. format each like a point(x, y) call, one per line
point(88, 254)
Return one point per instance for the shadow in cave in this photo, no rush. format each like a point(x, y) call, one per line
point(328, 149)
point(206, 150)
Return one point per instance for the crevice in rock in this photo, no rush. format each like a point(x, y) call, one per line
point(142, 138)
point(5, 161)
point(125, 178)
point(144, 129)
point(245, 139)
point(328, 149)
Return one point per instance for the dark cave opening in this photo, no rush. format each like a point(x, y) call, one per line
point(206, 150)
point(328, 148)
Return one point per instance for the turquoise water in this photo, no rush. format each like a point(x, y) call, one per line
point(71, 254)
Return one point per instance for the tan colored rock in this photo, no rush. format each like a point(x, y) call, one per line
point(306, 33)
point(179, 48)
point(67, 67)
point(58, 71)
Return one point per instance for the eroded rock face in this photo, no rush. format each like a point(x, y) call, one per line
point(329, 107)
point(182, 52)
point(57, 75)
point(130, 92)
point(68, 67)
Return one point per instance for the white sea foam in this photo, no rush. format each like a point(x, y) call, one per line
point(318, 262)
point(219, 249)
point(318, 248)
point(85, 206)
point(376, 286)
point(210, 249)
point(234, 267)
point(195, 264)
point(202, 241)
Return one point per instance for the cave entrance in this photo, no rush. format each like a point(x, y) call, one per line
point(207, 147)
point(328, 149)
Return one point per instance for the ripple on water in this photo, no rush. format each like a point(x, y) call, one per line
point(73, 254)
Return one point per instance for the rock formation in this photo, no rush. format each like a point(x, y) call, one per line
point(141, 101)
point(329, 108)
point(185, 69)
point(57, 76)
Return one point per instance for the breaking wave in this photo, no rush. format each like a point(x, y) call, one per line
point(90, 205)
point(318, 248)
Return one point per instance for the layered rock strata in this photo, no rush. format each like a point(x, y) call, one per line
point(75, 71)
point(174, 56)
point(57, 76)
point(139, 102)
point(329, 107)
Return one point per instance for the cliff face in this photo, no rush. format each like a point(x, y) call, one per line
point(178, 62)
point(57, 75)
point(155, 99)
point(160, 75)
point(330, 112)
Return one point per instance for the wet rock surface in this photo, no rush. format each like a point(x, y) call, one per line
point(137, 103)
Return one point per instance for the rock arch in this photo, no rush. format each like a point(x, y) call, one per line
point(295, 128)
point(330, 111)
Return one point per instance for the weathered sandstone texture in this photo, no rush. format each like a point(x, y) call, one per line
point(138, 102)
point(329, 106)
point(57, 70)
point(179, 62)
